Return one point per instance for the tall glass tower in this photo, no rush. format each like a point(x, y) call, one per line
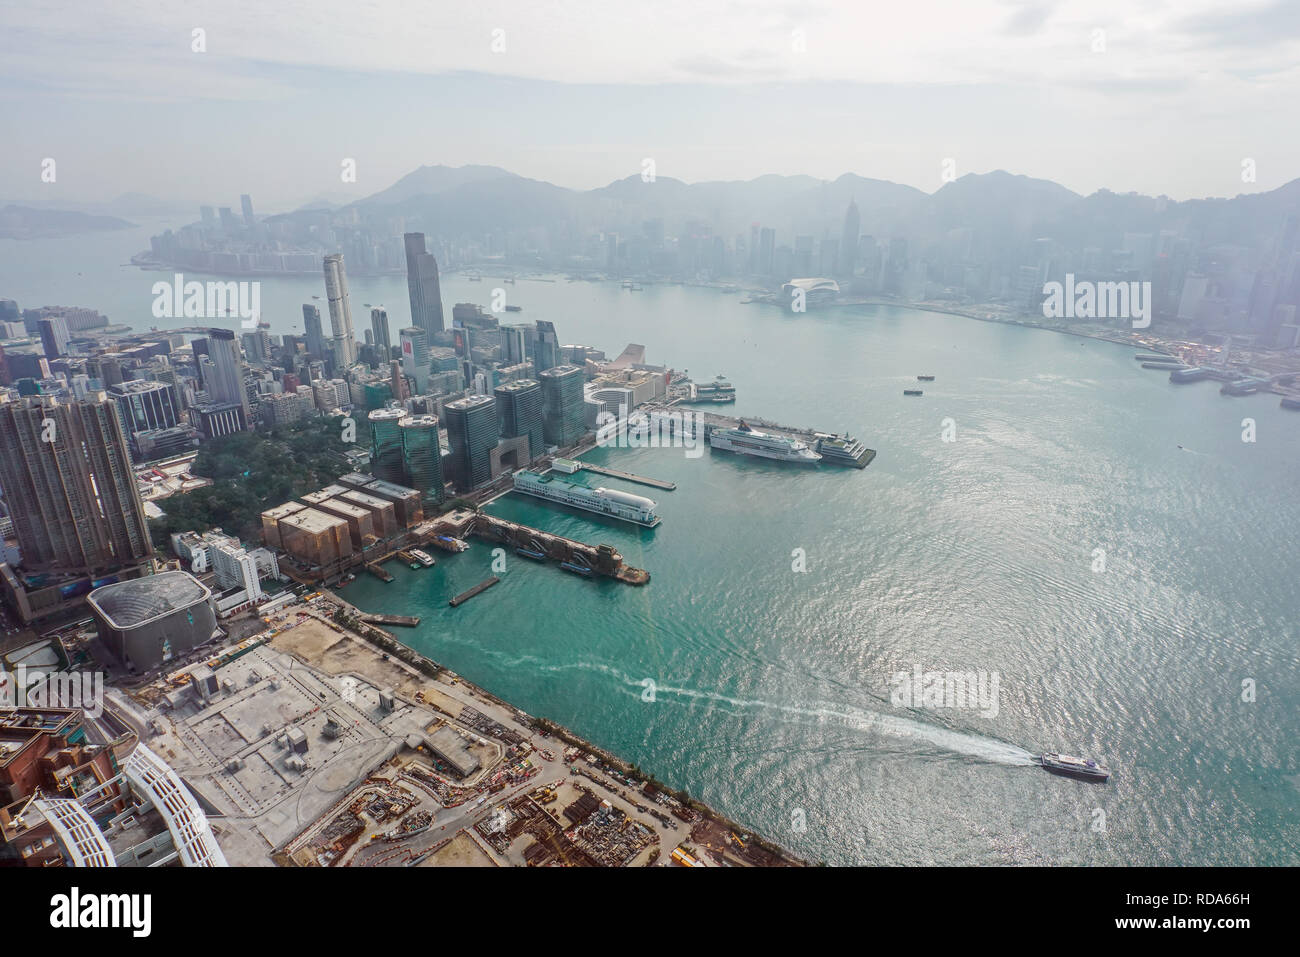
point(386, 445)
point(423, 286)
point(472, 434)
point(422, 457)
point(563, 413)
point(344, 340)
point(519, 412)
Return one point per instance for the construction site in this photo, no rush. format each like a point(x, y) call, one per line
point(310, 746)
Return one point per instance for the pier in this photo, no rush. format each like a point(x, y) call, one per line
point(405, 621)
point(477, 589)
point(712, 420)
point(379, 572)
point(603, 560)
point(629, 476)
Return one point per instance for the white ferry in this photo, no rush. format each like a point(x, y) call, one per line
point(424, 558)
point(765, 445)
point(604, 501)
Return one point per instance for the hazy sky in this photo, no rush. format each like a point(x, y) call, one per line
point(1159, 97)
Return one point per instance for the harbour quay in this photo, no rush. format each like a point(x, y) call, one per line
point(602, 560)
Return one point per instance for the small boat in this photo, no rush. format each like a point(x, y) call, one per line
point(1070, 766)
point(912, 392)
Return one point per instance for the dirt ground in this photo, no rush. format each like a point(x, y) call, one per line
point(461, 852)
point(326, 649)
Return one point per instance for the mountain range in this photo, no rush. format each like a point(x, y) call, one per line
point(1003, 209)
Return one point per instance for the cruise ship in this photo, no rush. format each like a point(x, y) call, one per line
point(843, 450)
point(749, 441)
point(604, 501)
point(719, 390)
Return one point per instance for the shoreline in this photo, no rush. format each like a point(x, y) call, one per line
point(387, 642)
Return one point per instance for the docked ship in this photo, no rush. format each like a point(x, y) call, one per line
point(843, 450)
point(1073, 767)
point(604, 501)
point(765, 445)
point(719, 390)
point(449, 544)
point(1189, 375)
point(424, 558)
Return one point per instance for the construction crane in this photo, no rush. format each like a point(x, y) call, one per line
point(19, 823)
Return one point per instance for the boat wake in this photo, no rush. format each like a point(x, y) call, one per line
point(976, 746)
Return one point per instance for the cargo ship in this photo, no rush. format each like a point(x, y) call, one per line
point(625, 506)
point(764, 445)
point(925, 378)
point(912, 392)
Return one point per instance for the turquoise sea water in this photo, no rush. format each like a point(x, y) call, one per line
point(772, 687)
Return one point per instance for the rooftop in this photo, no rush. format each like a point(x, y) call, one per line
point(130, 604)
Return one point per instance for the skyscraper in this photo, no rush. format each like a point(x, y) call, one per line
point(315, 335)
point(513, 348)
point(472, 434)
point(383, 338)
point(386, 445)
point(343, 343)
point(145, 406)
point(849, 240)
point(422, 457)
point(415, 355)
point(546, 346)
point(54, 336)
point(69, 486)
point(563, 410)
point(766, 250)
point(246, 207)
point(519, 412)
point(225, 375)
point(423, 286)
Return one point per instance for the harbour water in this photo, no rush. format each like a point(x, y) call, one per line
point(765, 691)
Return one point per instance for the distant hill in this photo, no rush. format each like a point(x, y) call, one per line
point(432, 180)
point(26, 222)
point(1006, 212)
